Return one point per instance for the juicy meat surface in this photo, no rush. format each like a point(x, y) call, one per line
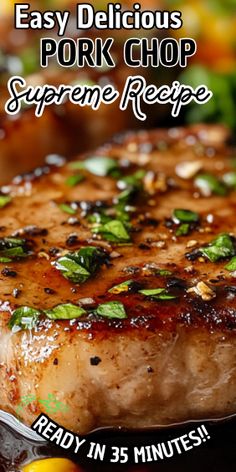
point(168, 356)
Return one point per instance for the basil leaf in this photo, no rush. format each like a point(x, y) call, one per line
point(123, 287)
point(113, 231)
point(183, 230)
point(79, 266)
point(67, 209)
point(10, 243)
point(91, 258)
point(67, 311)
point(209, 184)
point(220, 248)
point(231, 266)
point(186, 216)
point(112, 310)
point(24, 318)
point(4, 200)
point(73, 180)
point(71, 269)
point(12, 248)
point(157, 294)
point(97, 165)
point(230, 179)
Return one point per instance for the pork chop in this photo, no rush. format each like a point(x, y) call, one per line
point(118, 285)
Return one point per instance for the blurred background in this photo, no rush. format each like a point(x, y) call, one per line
point(68, 129)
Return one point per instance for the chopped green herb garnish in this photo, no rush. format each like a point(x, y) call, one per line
point(24, 318)
point(230, 179)
point(123, 287)
point(209, 184)
point(5, 260)
point(67, 311)
point(157, 294)
point(113, 231)
point(99, 218)
point(79, 266)
point(112, 310)
point(4, 200)
point(186, 216)
point(73, 180)
point(183, 230)
point(67, 209)
point(27, 318)
point(220, 248)
point(163, 272)
point(97, 165)
point(132, 180)
point(13, 248)
point(130, 185)
point(231, 266)
point(125, 196)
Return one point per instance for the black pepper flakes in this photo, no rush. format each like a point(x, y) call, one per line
point(175, 282)
point(151, 222)
point(131, 270)
point(144, 247)
point(55, 362)
point(150, 370)
point(35, 231)
point(49, 291)
point(9, 272)
point(54, 251)
point(193, 255)
point(74, 290)
point(72, 240)
point(95, 360)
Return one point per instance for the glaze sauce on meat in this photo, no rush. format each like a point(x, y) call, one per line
point(117, 283)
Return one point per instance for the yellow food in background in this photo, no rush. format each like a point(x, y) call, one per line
point(52, 465)
point(213, 31)
point(7, 7)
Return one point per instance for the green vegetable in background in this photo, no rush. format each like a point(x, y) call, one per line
point(221, 108)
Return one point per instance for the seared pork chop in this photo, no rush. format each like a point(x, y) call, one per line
point(118, 284)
